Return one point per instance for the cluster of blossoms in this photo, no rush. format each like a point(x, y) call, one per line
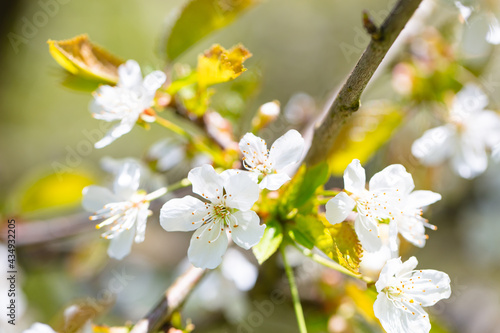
point(222, 210)
point(470, 133)
point(391, 200)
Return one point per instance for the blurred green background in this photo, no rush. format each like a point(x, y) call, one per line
point(296, 46)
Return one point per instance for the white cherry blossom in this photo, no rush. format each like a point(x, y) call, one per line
point(227, 200)
point(126, 101)
point(465, 140)
point(270, 165)
point(403, 291)
point(381, 203)
point(125, 210)
point(39, 328)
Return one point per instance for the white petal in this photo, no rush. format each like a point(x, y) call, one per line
point(127, 181)
point(419, 199)
point(408, 266)
point(121, 244)
point(274, 181)
point(249, 231)
point(206, 182)
point(39, 328)
point(182, 214)
point(254, 149)
point(129, 74)
point(236, 268)
point(470, 160)
point(142, 218)
point(391, 268)
point(117, 131)
point(231, 172)
point(391, 178)
point(172, 158)
point(412, 229)
point(286, 150)
point(242, 192)
point(354, 177)
point(95, 197)
point(367, 232)
point(154, 81)
point(207, 247)
point(339, 207)
point(493, 36)
point(435, 145)
point(389, 315)
point(430, 287)
point(469, 100)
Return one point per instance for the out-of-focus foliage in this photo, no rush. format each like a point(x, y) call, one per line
point(199, 18)
point(270, 242)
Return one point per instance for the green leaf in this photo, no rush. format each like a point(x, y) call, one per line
point(315, 233)
point(199, 18)
point(364, 133)
point(347, 246)
point(313, 178)
point(82, 58)
point(270, 242)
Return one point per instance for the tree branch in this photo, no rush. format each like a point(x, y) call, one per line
point(347, 100)
point(172, 300)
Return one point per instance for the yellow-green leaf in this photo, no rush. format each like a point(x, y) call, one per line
point(315, 232)
point(219, 65)
point(364, 133)
point(82, 58)
point(54, 191)
point(198, 18)
point(347, 247)
point(363, 299)
point(270, 242)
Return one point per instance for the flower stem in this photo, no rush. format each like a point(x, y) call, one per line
point(180, 184)
point(171, 126)
point(295, 294)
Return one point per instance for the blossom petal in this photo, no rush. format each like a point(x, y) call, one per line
point(274, 181)
point(435, 145)
point(430, 287)
point(412, 229)
point(142, 218)
point(391, 268)
point(242, 192)
point(470, 160)
point(354, 177)
point(470, 99)
point(121, 244)
point(130, 75)
point(253, 148)
point(206, 182)
point(235, 267)
point(390, 317)
point(493, 35)
point(207, 247)
point(154, 81)
point(246, 230)
point(419, 199)
point(182, 214)
point(391, 178)
point(127, 181)
point(95, 197)
point(367, 232)
point(117, 131)
point(339, 207)
point(39, 328)
point(286, 150)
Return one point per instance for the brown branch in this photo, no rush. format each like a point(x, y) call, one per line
point(347, 100)
point(172, 300)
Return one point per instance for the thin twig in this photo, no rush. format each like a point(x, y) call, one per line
point(172, 300)
point(347, 100)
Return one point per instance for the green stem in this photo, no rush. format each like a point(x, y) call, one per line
point(295, 294)
point(332, 264)
point(180, 184)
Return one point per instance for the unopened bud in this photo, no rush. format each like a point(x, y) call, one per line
point(267, 113)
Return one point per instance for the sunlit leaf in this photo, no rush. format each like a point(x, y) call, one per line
point(270, 242)
point(54, 191)
point(198, 18)
point(347, 247)
point(315, 232)
point(361, 137)
point(313, 178)
point(82, 58)
point(219, 65)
